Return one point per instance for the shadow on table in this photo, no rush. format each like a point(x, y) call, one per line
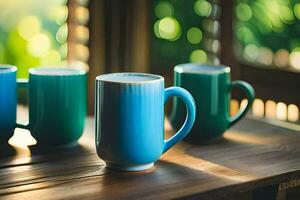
point(58, 150)
point(136, 185)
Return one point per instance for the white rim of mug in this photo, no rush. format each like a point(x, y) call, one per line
point(222, 69)
point(157, 78)
point(76, 72)
point(4, 69)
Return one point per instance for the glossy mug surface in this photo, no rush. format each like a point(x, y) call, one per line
point(210, 86)
point(129, 118)
point(57, 105)
point(8, 104)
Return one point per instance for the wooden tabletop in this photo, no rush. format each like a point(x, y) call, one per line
point(251, 155)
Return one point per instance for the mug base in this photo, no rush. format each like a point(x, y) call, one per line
point(132, 168)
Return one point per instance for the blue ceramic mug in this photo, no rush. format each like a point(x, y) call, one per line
point(8, 104)
point(129, 117)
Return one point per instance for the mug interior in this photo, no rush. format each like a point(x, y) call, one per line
point(129, 77)
point(56, 71)
point(201, 68)
point(7, 68)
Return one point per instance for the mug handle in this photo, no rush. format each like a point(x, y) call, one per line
point(190, 117)
point(248, 89)
point(22, 84)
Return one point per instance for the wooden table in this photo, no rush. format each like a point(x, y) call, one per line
point(252, 156)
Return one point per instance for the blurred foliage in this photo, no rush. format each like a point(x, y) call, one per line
point(267, 31)
point(184, 31)
point(33, 33)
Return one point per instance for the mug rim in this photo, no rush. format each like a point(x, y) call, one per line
point(181, 68)
point(71, 71)
point(5, 68)
point(156, 78)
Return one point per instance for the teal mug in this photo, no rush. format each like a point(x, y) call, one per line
point(210, 86)
point(57, 105)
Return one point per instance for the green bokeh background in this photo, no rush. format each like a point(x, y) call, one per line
point(14, 50)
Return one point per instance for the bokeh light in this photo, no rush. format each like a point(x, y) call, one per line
point(273, 14)
point(258, 108)
point(286, 14)
point(164, 9)
point(281, 111)
point(215, 46)
point(293, 113)
point(295, 59)
point(82, 52)
point(281, 58)
point(167, 28)
point(194, 35)
point(29, 26)
point(198, 56)
point(243, 12)
point(203, 8)
point(82, 33)
point(62, 34)
point(39, 45)
point(82, 15)
point(245, 34)
point(59, 14)
point(211, 26)
point(265, 56)
point(297, 10)
point(251, 52)
point(270, 109)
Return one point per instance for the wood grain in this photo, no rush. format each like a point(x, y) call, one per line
point(251, 155)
